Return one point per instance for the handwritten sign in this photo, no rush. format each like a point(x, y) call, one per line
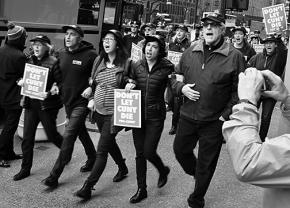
point(174, 57)
point(258, 48)
point(35, 79)
point(136, 52)
point(127, 108)
point(274, 18)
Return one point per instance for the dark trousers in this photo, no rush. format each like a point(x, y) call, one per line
point(209, 136)
point(146, 141)
point(176, 110)
point(32, 117)
point(11, 121)
point(268, 105)
point(75, 127)
point(107, 144)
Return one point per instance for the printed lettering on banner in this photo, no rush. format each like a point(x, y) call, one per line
point(274, 18)
point(174, 57)
point(258, 48)
point(35, 80)
point(127, 108)
point(136, 52)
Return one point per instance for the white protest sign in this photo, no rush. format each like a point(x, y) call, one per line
point(35, 79)
point(127, 108)
point(136, 52)
point(174, 57)
point(258, 48)
point(274, 18)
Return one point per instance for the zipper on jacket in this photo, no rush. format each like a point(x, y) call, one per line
point(146, 94)
point(265, 63)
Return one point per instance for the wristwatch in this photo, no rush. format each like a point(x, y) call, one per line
point(247, 101)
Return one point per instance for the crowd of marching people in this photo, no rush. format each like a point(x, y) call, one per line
point(208, 92)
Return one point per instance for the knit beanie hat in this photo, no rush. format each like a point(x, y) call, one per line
point(14, 31)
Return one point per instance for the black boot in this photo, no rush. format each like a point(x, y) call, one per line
point(139, 196)
point(86, 191)
point(21, 175)
point(122, 172)
point(88, 166)
point(163, 177)
point(172, 130)
point(51, 181)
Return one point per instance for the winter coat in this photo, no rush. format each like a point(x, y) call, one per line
point(152, 85)
point(12, 63)
point(129, 39)
point(179, 46)
point(215, 78)
point(262, 164)
point(76, 67)
point(54, 76)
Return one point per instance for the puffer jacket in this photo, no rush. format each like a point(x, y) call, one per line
point(262, 164)
point(54, 76)
point(152, 85)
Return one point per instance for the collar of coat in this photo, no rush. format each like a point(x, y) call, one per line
point(224, 49)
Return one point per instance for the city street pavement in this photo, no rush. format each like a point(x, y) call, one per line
point(225, 190)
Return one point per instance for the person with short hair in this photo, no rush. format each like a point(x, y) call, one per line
point(12, 63)
point(134, 37)
point(241, 43)
point(267, 61)
point(109, 71)
point(210, 69)
point(44, 111)
point(148, 29)
point(264, 164)
point(75, 61)
point(150, 75)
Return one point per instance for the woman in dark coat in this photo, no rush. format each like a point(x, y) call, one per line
point(43, 110)
point(150, 75)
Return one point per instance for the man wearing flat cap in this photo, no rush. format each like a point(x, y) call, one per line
point(210, 68)
point(75, 61)
point(149, 29)
point(262, 61)
point(134, 37)
point(242, 44)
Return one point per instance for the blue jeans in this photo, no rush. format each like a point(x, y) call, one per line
point(75, 127)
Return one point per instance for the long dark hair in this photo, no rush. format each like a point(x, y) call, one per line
point(121, 51)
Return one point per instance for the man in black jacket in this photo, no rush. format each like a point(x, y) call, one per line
point(134, 37)
point(75, 62)
point(210, 68)
point(12, 63)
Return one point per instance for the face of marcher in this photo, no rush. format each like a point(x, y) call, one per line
point(170, 28)
point(180, 33)
point(149, 31)
point(270, 47)
point(72, 39)
point(212, 32)
point(134, 29)
point(255, 41)
point(152, 51)
point(239, 37)
point(39, 49)
point(109, 43)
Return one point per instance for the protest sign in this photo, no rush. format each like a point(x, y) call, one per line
point(35, 79)
point(274, 18)
point(258, 48)
point(136, 52)
point(127, 108)
point(174, 57)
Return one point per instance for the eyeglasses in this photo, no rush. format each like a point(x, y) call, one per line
point(212, 24)
point(108, 39)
